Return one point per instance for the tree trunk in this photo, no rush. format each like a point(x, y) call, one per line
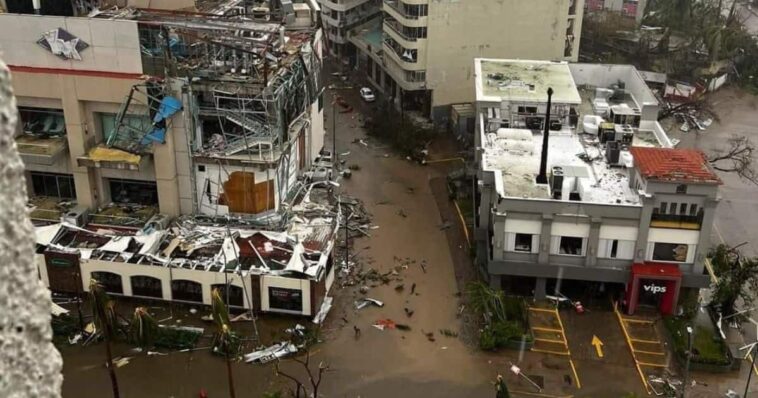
point(111, 370)
point(230, 376)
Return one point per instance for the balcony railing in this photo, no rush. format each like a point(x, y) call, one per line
point(677, 221)
point(402, 9)
point(397, 28)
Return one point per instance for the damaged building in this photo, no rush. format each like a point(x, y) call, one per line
point(127, 113)
point(581, 188)
point(286, 270)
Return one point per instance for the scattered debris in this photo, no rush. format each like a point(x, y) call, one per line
point(270, 353)
point(448, 333)
point(401, 213)
point(326, 305)
point(408, 312)
point(366, 301)
point(413, 288)
point(403, 327)
point(382, 324)
point(121, 361)
point(429, 336)
point(399, 288)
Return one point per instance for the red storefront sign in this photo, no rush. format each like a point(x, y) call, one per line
point(654, 284)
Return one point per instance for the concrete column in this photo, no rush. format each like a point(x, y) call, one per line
point(496, 282)
point(543, 256)
point(166, 177)
point(540, 289)
point(704, 243)
point(80, 139)
point(648, 202)
point(498, 235)
point(590, 259)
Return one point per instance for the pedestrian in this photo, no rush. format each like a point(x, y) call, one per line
point(357, 331)
point(501, 388)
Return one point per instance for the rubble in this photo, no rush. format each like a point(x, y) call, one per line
point(366, 301)
point(268, 354)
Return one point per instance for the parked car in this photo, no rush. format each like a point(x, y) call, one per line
point(367, 94)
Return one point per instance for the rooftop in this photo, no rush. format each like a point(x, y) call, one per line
point(674, 165)
point(519, 80)
point(514, 155)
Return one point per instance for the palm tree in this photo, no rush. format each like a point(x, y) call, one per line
point(224, 339)
point(104, 314)
point(143, 328)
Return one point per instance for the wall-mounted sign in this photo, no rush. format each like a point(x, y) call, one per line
point(63, 44)
point(655, 289)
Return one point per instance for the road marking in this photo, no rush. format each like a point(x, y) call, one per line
point(649, 352)
point(653, 365)
point(633, 320)
point(546, 329)
point(562, 332)
point(571, 361)
point(550, 310)
point(598, 346)
point(645, 341)
point(631, 349)
point(562, 353)
point(536, 394)
point(550, 341)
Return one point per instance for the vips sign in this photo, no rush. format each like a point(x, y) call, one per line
point(655, 289)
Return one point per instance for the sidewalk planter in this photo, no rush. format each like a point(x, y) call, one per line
point(707, 340)
point(517, 327)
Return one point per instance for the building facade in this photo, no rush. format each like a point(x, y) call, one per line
point(129, 113)
point(421, 54)
point(617, 207)
point(340, 16)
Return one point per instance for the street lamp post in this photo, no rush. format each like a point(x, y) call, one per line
point(334, 138)
point(690, 333)
point(750, 371)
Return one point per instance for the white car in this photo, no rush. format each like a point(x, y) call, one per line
point(367, 94)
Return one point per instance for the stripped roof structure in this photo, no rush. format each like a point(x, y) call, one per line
point(674, 165)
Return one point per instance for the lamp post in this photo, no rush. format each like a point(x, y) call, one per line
point(690, 333)
point(750, 371)
point(334, 138)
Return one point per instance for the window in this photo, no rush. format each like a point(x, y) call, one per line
point(235, 297)
point(185, 290)
point(108, 124)
point(201, 168)
point(110, 281)
point(285, 299)
point(693, 209)
point(672, 208)
point(664, 205)
point(571, 245)
point(132, 191)
point(681, 188)
point(146, 286)
point(53, 185)
point(619, 249)
point(321, 101)
point(670, 252)
point(42, 122)
point(527, 109)
point(682, 209)
point(523, 243)
point(614, 248)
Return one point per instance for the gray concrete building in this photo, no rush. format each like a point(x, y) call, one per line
point(421, 53)
point(619, 207)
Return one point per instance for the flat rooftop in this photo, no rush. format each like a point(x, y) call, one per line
point(514, 155)
point(528, 81)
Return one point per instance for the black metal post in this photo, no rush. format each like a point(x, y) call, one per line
point(750, 371)
point(347, 241)
point(690, 332)
point(542, 177)
point(334, 138)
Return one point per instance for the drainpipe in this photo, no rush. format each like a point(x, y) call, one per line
point(542, 177)
point(37, 6)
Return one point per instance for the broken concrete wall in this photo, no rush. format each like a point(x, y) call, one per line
point(29, 363)
point(224, 188)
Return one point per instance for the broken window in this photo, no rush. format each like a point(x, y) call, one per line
point(681, 188)
point(111, 282)
point(53, 185)
point(571, 245)
point(693, 209)
point(682, 209)
point(670, 252)
point(108, 123)
point(614, 248)
point(184, 290)
point(523, 243)
point(133, 191)
point(664, 206)
point(527, 109)
point(243, 195)
point(146, 286)
point(42, 122)
point(235, 297)
point(285, 299)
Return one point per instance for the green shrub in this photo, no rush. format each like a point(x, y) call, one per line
point(499, 334)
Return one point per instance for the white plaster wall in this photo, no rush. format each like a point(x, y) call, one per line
point(113, 45)
point(166, 275)
point(220, 173)
point(317, 131)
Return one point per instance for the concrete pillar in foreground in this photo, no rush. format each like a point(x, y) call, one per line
point(30, 366)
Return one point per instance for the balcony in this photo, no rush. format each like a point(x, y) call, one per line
point(341, 5)
point(408, 15)
point(408, 80)
point(41, 149)
point(403, 34)
point(675, 221)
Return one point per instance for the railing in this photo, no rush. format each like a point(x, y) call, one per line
point(399, 7)
point(676, 221)
point(397, 28)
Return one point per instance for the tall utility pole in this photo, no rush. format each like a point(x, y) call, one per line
point(347, 241)
point(690, 336)
point(334, 138)
point(752, 368)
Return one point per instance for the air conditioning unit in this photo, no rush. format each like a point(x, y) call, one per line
point(78, 216)
point(613, 152)
point(158, 222)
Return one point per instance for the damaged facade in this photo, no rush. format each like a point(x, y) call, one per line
point(620, 205)
point(167, 150)
point(215, 110)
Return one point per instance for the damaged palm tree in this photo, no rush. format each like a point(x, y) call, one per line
point(143, 329)
point(104, 314)
point(224, 340)
point(737, 158)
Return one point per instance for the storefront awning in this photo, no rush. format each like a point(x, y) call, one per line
point(654, 270)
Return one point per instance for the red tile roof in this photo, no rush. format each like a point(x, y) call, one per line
point(674, 165)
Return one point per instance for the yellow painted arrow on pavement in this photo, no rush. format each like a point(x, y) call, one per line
point(598, 345)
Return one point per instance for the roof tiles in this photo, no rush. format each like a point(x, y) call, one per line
point(674, 165)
